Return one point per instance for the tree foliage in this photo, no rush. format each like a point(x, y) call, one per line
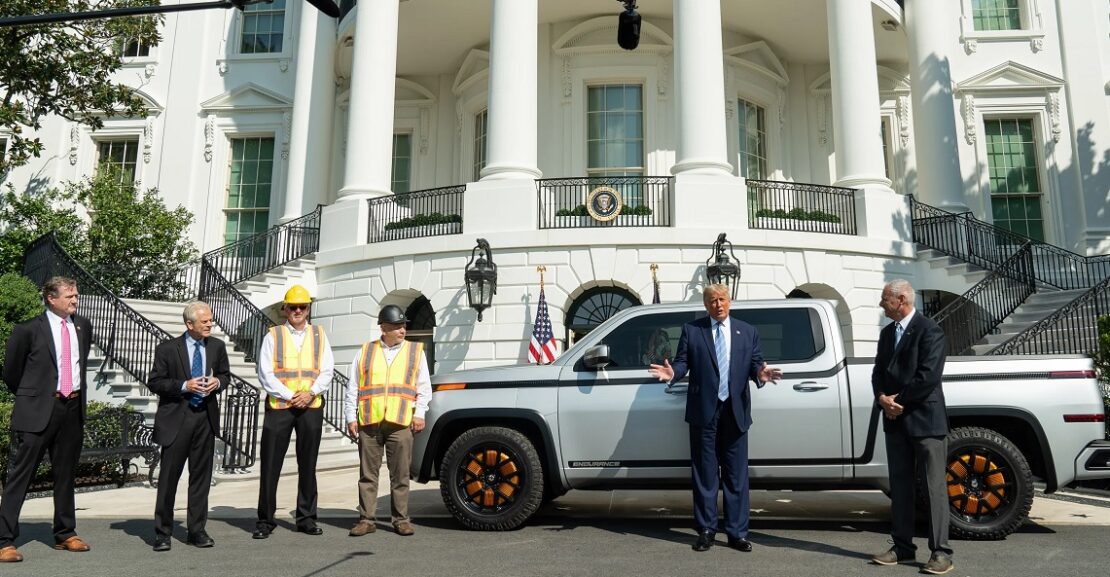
point(64, 69)
point(20, 300)
point(23, 218)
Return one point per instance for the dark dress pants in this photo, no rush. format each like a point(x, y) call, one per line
point(194, 443)
point(63, 438)
point(719, 458)
point(905, 456)
point(277, 426)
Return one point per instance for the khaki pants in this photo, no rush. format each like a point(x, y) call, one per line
point(396, 442)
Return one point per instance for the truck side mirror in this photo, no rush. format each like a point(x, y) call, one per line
point(597, 357)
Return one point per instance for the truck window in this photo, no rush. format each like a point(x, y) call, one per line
point(646, 339)
point(787, 335)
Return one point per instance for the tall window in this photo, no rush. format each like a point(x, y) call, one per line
point(481, 126)
point(1015, 182)
point(884, 126)
point(248, 189)
point(133, 48)
point(996, 14)
point(753, 141)
point(121, 154)
point(401, 178)
point(615, 130)
point(263, 28)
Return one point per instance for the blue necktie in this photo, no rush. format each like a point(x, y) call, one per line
point(722, 361)
point(197, 370)
point(897, 334)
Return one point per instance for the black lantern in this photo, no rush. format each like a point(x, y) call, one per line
point(481, 278)
point(628, 26)
point(720, 268)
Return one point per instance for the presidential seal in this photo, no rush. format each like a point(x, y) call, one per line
point(604, 203)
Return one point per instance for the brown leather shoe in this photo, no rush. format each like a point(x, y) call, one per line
point(74, 544)
point(363, 527)
point(404, 528)
point(9, 554)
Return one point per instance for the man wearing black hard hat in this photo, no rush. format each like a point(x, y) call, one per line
point(385, 418)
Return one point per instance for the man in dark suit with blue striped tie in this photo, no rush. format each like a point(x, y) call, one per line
point(721, 354)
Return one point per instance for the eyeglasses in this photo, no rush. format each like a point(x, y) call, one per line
point(297, 307)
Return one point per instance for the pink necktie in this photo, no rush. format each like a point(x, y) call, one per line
point(67, 363)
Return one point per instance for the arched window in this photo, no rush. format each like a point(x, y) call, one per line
point(594, 307)
point(422, 323)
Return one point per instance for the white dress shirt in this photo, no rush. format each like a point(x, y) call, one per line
point(265, 367)
point(74, 348)
point(423, 383)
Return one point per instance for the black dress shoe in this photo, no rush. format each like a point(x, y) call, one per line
point(310, 530)
point(161, 544)
point(705, 540)
point(261, 532)
point(201, 539)
point(740, 544)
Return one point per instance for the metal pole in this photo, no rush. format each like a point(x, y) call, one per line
point(32, 19)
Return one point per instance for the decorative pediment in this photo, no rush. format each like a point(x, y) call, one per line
point(474, 69)
point(600, 35)
point(249, 97)
point(1010, 76)
point(153, 107)
point(759, 57)
point(410, 93)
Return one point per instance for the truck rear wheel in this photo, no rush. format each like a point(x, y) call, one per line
point(990, 486)
point(491, 479)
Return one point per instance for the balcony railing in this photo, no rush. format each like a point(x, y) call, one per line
point(432, 212)
point(606, 202)
point(801, 207)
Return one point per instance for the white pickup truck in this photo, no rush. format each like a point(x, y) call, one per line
point(503, 440)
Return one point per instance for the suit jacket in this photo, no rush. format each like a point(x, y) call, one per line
point(913, 372)
point(172, 367)
point(31, 370)
point(697, 355)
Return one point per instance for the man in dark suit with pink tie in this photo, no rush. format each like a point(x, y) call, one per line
point(44, 368)
point(721, 354)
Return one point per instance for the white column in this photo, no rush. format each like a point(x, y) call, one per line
point(931, 30)
point(513, 92)
point(857, 126)
point(699, 79)
point(313, 109)
point(370, 120)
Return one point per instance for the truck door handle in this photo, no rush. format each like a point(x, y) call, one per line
point(810, 386)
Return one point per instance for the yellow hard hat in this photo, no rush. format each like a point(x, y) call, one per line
point(297, 295)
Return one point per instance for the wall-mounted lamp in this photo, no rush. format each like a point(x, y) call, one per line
point(720, 268)
point(481, 278)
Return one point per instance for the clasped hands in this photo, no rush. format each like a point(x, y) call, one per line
point(202, 386)
point(302, 400)
point(891, 408)
point(665, 372)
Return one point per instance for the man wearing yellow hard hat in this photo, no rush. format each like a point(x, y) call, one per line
point(295, 367)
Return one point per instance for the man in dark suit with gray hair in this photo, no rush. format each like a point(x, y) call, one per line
point(907, 385)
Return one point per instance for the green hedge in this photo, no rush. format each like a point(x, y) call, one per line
point(798, 214)
point(1102, 363)
point(20, 300)
point(580, 210)
point(423, 220)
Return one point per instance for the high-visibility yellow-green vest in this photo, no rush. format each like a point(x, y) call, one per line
point(297, 368)
point(387, 391)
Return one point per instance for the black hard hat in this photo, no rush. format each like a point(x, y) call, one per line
point(392, 314)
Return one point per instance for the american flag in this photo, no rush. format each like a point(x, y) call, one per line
point(542, 349)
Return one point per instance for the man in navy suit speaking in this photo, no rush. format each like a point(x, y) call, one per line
point(721, 354)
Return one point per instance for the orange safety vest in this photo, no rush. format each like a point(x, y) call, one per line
point(297, 368)
point(387, 391)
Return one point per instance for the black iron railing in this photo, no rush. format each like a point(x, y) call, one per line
point(969, 239)
point(333, 404)
point(632, 201)
point(980, 310)
point(131, 341)
point(1073, 329)
point(432, 212)
point(801, 207)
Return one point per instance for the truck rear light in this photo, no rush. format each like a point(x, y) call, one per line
point(1094, 418)
point(450, 387)
point(1089, 374)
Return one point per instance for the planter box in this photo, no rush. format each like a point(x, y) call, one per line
point(793, 224)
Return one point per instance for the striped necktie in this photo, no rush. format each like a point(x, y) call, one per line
point(65, 386)
point(721, 345)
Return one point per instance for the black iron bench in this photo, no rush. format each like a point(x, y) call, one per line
point(120, 435)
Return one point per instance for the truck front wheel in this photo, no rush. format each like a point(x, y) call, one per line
point(491, 479)
point(990, 486)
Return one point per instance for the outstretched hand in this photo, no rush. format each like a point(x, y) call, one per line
point(769, 374)
point(663, 372)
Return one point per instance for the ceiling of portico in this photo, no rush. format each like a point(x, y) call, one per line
point(435, 35)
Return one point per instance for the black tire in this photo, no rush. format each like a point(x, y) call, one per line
point(990, 486)
point(491, 479)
